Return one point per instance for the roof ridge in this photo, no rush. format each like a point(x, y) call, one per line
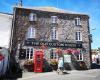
point(6, 13)
point(52, 9)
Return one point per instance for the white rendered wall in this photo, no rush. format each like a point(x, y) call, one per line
point(5, 29)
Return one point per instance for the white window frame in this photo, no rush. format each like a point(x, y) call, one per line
point(54, 34)
point(54, 19)
point(31, 32)
point(32, 17)
point(77, 21)
point(54, 54)
point(80, 57)
point(78, 34)
point(31, 49)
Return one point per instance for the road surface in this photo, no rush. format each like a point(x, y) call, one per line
point(93, 74)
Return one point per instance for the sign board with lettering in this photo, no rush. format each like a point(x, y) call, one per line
point(53, 44)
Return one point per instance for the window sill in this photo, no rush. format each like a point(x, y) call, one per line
point(78, 26)
point(79, 60)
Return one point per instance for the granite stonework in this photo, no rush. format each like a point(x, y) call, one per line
point(66, 28)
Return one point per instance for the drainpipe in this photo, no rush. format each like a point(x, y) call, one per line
point(12, 30)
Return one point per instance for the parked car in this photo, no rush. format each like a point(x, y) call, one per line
point(4, 61)
point(95, 66)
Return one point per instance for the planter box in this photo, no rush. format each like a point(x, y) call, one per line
point(29, 68)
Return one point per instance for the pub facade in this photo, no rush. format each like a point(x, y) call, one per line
point(52, 30)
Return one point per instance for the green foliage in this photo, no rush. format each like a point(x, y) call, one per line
point(28, 62)
point(99, 48)
point(53, 62)
point(28, 65)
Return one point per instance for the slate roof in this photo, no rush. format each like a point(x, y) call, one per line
point(51, 9)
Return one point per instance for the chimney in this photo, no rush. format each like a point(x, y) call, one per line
point(20, 3)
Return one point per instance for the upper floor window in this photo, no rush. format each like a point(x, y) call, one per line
point(54, 19)
point(32, 17)
point(53, 33)
point(77, 21)
point(31, 32)
point(78, 36)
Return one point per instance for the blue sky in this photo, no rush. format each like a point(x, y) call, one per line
point(90, 7)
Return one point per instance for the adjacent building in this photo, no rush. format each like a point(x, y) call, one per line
point(5, 27)
point(52, 30)
point(95, 56)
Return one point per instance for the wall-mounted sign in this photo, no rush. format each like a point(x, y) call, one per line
point(67, 58)
point(53, 44)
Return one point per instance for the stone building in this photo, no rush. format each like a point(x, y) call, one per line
point(52, 30)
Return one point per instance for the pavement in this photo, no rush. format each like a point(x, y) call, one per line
point(93, 74)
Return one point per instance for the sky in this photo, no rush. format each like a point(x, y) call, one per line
point(90, 7)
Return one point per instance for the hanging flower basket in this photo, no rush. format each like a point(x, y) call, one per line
point(68, 51)
point(59, 52)
point(72, 51)
point(76, 52)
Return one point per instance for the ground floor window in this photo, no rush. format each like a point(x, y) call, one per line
point(53, 54)
point(29, 53)
point(22, 53)
point(78, 53)
point(79, 56)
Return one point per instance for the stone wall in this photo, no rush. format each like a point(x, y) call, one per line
point(66, 29)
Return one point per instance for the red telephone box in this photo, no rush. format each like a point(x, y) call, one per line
point(38, 61)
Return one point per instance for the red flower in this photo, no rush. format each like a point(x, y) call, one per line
point(1, 57)
point(72, 51)
point(76, 51)
point(68, 51)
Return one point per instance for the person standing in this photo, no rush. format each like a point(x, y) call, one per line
point(60, 65)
